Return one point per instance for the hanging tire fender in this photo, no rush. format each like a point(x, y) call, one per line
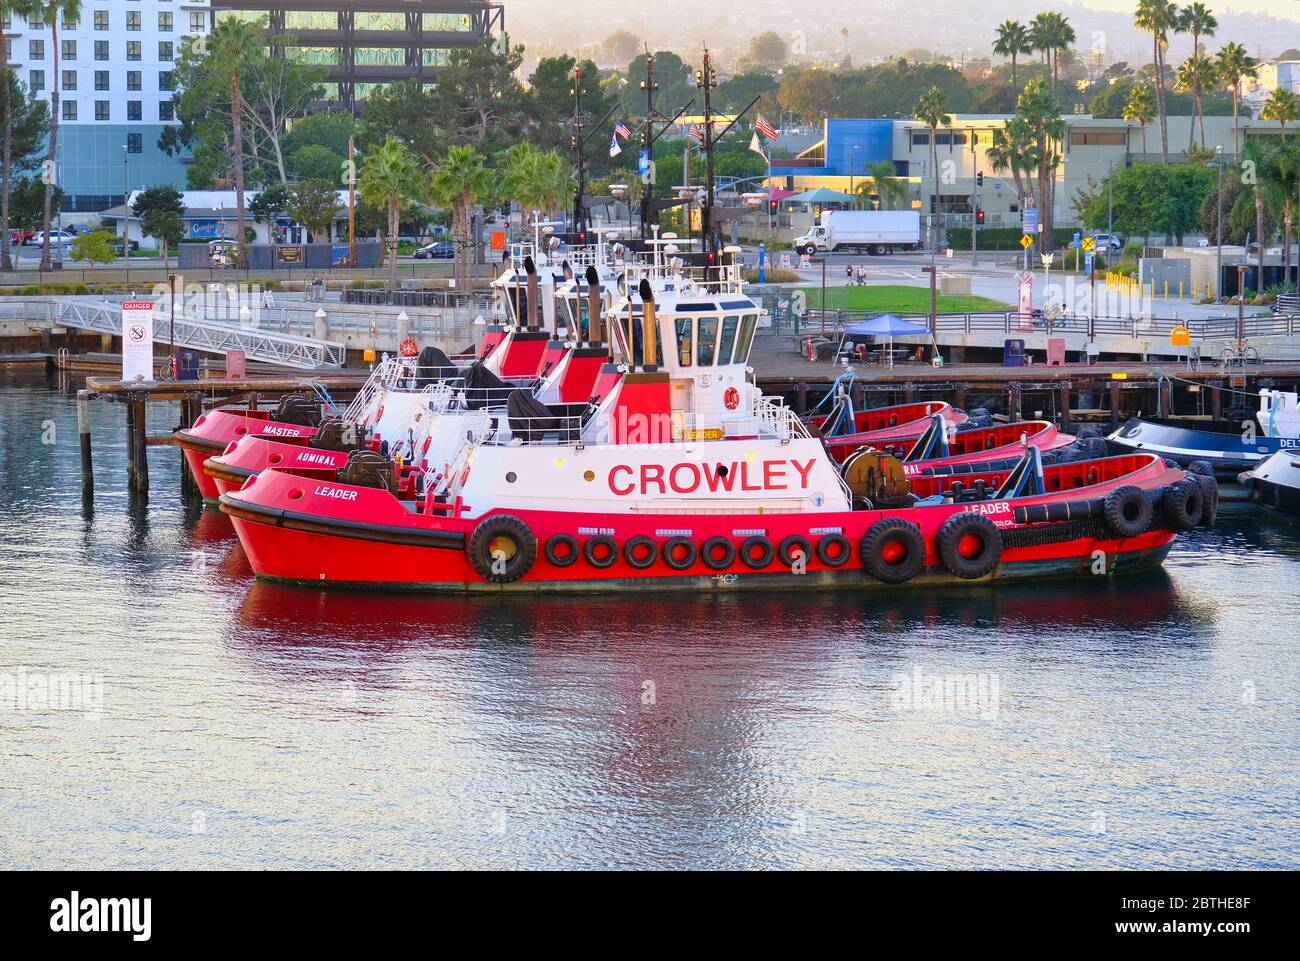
point(892, 551)
point(640, 553)
point(709, 553)
point(502, 549)
point(1128, 511)
point(970, 545)
point(1183, 504)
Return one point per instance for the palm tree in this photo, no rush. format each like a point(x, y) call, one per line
point(234, 43)
point(1283, 106)
point(391, 178)
point(1159, 18)
point(1235, 66)
point(1013, 150)
point(1012, 41)
point(22, 8)
point(889, 187)
point(1257, 159)
point(460, 182)
point(1195, 75)
point(1140, 108)
point(1040, 111)
point(1196, 19)
point(1285, 191)
point(71, 11)
point(932, 110)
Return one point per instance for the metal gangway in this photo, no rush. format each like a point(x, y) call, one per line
point(268, 347)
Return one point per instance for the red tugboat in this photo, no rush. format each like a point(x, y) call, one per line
point(684, 475)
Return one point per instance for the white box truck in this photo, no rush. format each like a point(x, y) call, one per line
point(874, 231)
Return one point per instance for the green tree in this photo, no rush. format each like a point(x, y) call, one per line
point(1012, 42)
point(267, 205)
point(160, 209)
point(1256, 175)
point(1140, 108)
point(1235, 66)
point(51, 10)
point(1040, 112)
point(480, 97)
point(1283, 106)
point(315, 205)
point(231, 45)
point(620, 46)
point(26, 122)
point(459, 183)
point(886, 184)
point(96, 247)
point(1194, 75)
point(391, 178)
point(932, 110)
point(1149, 198)
point(1159, 18)
point(316, 162)
point(1197, 20)
point(767, 51)
point(1051, 33)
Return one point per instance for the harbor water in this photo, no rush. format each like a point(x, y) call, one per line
point(159, 708)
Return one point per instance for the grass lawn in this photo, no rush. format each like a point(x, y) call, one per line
point(898, 299)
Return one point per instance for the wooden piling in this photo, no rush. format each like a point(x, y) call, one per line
point(1063, 395)
point(1216, 400)
point(137, 455)
point(1114, 405)
point(1165, 398)
point(83, 433)
point(1013, 403)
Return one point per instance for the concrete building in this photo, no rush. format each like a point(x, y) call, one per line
point(1271, 76)
point(368, 43)
point(115, 75)
point(1093, 147)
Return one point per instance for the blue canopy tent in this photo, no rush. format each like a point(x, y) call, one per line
point(888, 326)
point(821, 195)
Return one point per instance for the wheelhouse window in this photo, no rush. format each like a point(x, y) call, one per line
point(728, 345)
point(708, 341)
point(747, 325)
point(684, 340)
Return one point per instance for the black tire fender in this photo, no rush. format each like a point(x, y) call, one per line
point(640, 553)
point(1183, 504)
point(562, 550)
point(601, 551)
point(1210, 490)
point(795, 543)
point(709, 549)
point(487, 540)
point(757, 553)
point(683, 546)
point(834, 550)
point(875, 545)
point(954, 533)
point(1128, 511)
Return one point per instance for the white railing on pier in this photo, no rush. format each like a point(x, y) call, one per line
point(268, 347)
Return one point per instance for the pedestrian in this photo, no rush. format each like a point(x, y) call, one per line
point(268, 300)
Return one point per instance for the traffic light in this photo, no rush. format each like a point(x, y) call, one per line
point(979, 179)
point(979, 217)
point(772, 207)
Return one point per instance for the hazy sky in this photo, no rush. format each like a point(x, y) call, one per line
point(947, 26)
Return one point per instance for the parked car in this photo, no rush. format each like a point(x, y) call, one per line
point(58, 238)
point(1107, 242)
point(439, 250)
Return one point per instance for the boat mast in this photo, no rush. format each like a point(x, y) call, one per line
point(706, 79)
point(579, 219)
point(649, 85)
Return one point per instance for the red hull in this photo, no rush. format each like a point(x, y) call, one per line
point(214, 431)
point(873, 428)
point(303, 529)
point(249, 456)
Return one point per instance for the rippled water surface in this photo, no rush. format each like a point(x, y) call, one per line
point(1145, 722)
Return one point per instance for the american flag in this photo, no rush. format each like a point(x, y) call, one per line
point(765, 128)
point(697, 132)
point(622, 130)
